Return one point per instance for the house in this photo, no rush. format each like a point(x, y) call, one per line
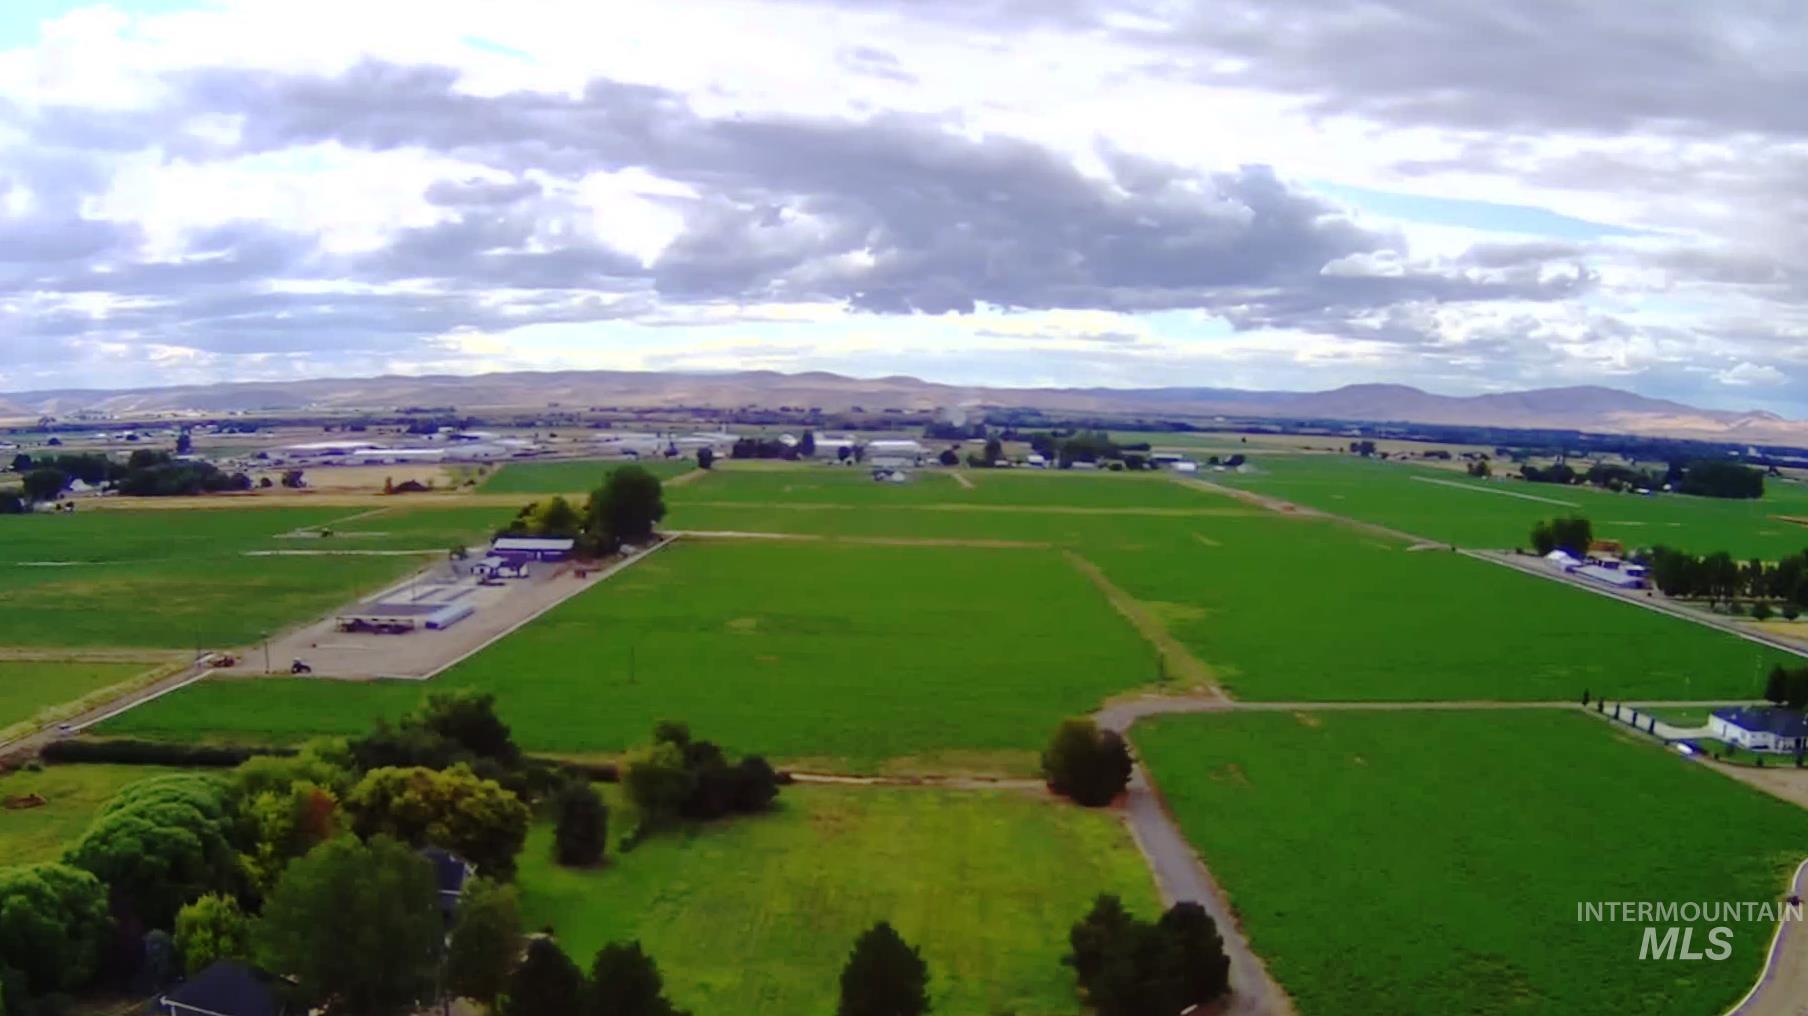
point(497, 566)
point(1186, 466)
point(225, 988)
point(533, 548)
point(1035, 461)
point(1760, 728)
point(893, 454)
point(1562, 560)
point(1612, 575)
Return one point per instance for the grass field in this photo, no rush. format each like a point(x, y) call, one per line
point(28, 687)
point(1432, 862)
point(857, 656)
point(757, 915)
point(74, 793)
point(571, 476)
point(173, 579)
point(815, 485)
point(1440, 505)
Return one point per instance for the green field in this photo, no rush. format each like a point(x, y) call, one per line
point(176, 579)
point(571, 476)
point(72, 794)
point(756, 915)
point(1444, 505)
point(858, 656)
point(28, 687)
point(1432, 862)
point(815, 485)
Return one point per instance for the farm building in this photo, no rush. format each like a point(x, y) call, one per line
point(893, 454)
point(1760, 728)
point(533, 548)
point(1612, 575)
point(497, 566)
point(225, 988)
point(399, 618)
point(1562, 559)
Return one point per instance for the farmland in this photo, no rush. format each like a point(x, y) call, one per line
point(574, 476)
point(1441, 505)
point(987, 882)
point(1449, 851)
point(171, 579)
point(886, 655)
point(28, 687)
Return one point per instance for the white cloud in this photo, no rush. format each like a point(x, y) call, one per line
point(1749, 374)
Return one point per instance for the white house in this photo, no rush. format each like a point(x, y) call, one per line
point(1760, 728)
point(892, 454)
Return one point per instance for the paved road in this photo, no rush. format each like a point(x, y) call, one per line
point(1782, 988)
point(31, 744)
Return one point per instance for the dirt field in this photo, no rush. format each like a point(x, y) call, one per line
point(363, 479)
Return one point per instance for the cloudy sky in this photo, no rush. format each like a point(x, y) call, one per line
point(1289, 194)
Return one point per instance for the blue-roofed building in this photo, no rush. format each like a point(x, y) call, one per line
point(450, 873)
point(1760, 728)
point(226, 988)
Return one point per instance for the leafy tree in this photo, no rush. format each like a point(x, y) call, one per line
point(658, 783)
point(468, 719)
point(45, 484)
point(485, 941)
point(994, 451)
point(11, 503)
point(624, 509)
point(448, 728)
point(53, 924)
point(1089, 765)
point(476, 819)
point(1197, 952)
point(678, 776)
point(159, 843)
point(948, 457)
point(1090, 940)
point(1717, 478)
point(545, 982)
point(209, 929)
point(277, 826)
point(884, 976)
point(293, 479)
point(554, 517)
point(1128, 967)
point(184, 443)
point(706, 458)
point(624, 981)
point(806, 445)
point(357, 925)
point(582, 833)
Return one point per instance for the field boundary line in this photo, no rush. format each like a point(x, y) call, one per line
point(1503, 493)
point(1290, 509)
point(961, 479)
point(598, 579)
point(1173, 653)
point(1777, 942)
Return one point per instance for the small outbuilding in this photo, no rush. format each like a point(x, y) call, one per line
point(1760, 728)
point(533, 548)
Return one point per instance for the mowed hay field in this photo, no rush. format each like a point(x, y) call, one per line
point(72, 795)
point(854, 656)
point(174, 579)
point(757, 915)
point(28, 687)
point(1432, 862)
point(1441, 504)
point(572, 476)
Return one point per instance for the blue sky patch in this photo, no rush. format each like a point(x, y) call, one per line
point(1489, 216)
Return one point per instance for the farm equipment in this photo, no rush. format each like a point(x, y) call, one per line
point(298, 668)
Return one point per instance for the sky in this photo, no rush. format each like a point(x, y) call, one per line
point(1272, 194)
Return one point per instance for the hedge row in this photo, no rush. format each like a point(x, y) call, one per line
point(153, 753)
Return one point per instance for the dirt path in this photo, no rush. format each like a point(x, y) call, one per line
point(961, 478)
point(1178, 662)
point(1782, 987)
point(1275, 504)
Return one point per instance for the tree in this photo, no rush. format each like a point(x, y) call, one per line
point(357, 925)
point(454, 809)
point(293, 479)
point(806, 445)
point(53, 924)
point(45, 484)
point(1129, 967)
point(582, 834)
point(1089, 765)
point(485, 941)
point(994, 451)
point(706, 457)
point(658, 783)
point(624, 981)
point(948, 457)
point(1198, 956)
point(209, 929)
point(447, 728)
point(625, 508)
point(884, 976)
point(159, 843)
point(184, 443)
point(545, 982)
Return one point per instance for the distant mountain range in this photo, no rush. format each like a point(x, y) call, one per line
point(1578, 408)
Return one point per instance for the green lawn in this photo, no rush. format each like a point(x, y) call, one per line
point(756, 915)
point(28, 687)
point(174, 579)
point(571, 476)
point(856, 656)
point(74, 793)
point(1432, 862)
point(818, 484)
point(1445, 505)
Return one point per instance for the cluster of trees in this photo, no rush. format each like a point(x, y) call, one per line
point(1572, 534)
point(1080, 446)
point(624, 509)
point(623, 981)
point(309, 864)
point(773, 448)
point(1130, 967)
point(1700, 477)
point(1479, 468)
point(679, 777)
point(1086, 763)
point(1717, 577)
point(145, 473)
point(1720, 478)
point(1787, 687)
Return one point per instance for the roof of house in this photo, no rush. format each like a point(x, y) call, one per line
point(449, 870)
point(1760, 719)
point(530, 543)
point(226, 988)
